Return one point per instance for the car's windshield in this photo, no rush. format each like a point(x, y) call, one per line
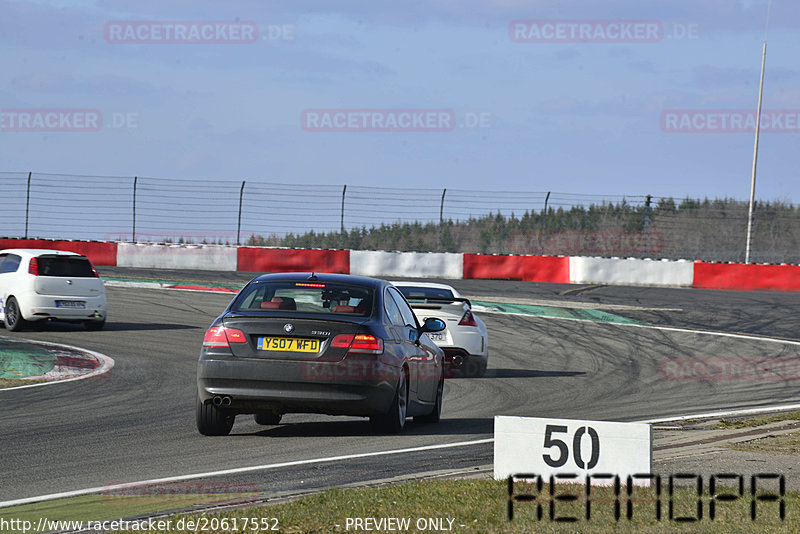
point(305, 297)
point(417, 292)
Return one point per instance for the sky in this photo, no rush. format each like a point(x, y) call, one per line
point(469, 95)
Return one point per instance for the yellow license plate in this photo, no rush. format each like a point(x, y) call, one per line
point(288, 344)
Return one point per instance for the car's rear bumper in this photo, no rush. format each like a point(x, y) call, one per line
point(472, 343)
point(333, 388)
point(35, 307)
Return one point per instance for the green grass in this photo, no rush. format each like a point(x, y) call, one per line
point(759, 421)
point(470, 506)
point(12, 382)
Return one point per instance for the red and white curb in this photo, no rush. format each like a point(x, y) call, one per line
point(68, 368)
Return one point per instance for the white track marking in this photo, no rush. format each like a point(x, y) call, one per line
point(106, 364)
point(653, 327)
point(728, 413)
point(236, 470)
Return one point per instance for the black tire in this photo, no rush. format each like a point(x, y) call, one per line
point(13, 316)
point(436, 414)
point(94, 325)
point(474, 367)
point(394, 421)
point(267, 418)
point(213, 421)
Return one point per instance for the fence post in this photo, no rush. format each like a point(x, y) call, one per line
point(239, 226)
point(27, 204)
point(441, 218)
point(341, 227)
point(133, 235)
point(646, 225)
point(544, 221)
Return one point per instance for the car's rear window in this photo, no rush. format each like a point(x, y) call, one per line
point(414, 292)
point(305, 297)
point(71, 266)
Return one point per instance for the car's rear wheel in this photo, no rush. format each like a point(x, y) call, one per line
point(94, 325)
point(212, 420)
point(436, 414)
point(394, 421)
point(267, 418)
point(475, 367)
point(13, 316)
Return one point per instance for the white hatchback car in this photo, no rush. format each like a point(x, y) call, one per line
point(465, 341)
point(39, 284)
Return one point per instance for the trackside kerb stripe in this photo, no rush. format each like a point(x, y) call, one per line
point(106, 364)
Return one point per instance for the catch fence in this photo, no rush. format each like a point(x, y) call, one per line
point(256, 212)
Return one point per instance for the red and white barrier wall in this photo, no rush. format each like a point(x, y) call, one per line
point(406, 264)
point(216, 258)
point(553, 269)
point(616, 271)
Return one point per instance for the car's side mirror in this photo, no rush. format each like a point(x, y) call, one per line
point(432, 325)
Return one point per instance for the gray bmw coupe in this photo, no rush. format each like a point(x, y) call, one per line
point(319, 343)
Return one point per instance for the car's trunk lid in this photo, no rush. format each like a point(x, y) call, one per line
point(289, 337)
point(66, 276)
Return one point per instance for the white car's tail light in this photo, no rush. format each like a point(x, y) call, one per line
point(33, 267)
point(468, 319)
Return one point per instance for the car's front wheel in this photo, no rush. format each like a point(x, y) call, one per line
point(13, 316)
point(394, 421)
point(212, 420)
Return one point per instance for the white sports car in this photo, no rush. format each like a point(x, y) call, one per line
point(465, 341)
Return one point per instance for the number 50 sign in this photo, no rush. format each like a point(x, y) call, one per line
point(529, 445)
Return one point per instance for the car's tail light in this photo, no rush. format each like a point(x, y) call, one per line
point(219, 336)
point(33, 267)
point(359, 343)
point(468, 319)
point(94, 270)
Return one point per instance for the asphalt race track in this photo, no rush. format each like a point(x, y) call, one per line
point(137, 422)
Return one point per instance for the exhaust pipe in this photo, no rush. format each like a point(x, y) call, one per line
point(458, 360)
point(221, 401)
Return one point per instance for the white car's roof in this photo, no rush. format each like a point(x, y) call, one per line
point(30, 252)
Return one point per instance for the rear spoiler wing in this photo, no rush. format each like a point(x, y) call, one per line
point(414, 301)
